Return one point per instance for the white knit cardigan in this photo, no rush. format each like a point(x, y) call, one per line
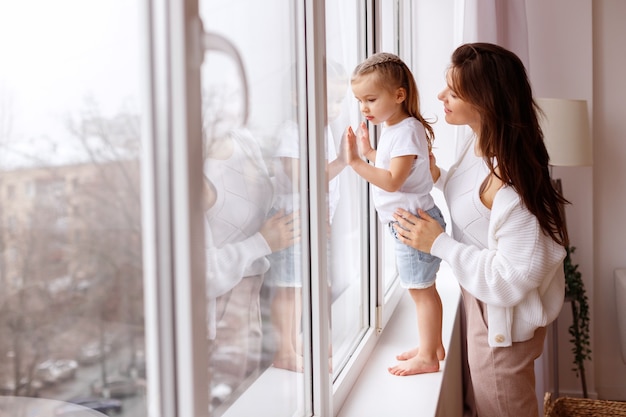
point(519, 271)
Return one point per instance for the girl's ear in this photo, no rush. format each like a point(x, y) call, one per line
point(400, 95)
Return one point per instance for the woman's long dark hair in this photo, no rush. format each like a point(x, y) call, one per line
point(494, 81)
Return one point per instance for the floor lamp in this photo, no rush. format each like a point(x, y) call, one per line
point(565, 126)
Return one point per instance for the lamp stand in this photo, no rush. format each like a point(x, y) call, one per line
point(555, 332)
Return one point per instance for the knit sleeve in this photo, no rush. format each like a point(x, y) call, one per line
point(227, 265)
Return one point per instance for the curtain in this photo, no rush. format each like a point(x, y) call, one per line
point(502, 22)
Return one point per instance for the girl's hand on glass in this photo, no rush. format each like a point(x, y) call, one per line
point(363, 136)
point(341, 154)
point(281, 230)
point(351, 151)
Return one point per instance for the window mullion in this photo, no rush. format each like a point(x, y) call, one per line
point(188, 252)
point(173, 248)
point(315, 47)
point(156, 215)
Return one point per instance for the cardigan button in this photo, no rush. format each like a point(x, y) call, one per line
point(499, 338)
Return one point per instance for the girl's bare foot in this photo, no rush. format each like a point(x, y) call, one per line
point(414, 366)
point(293, 362)
point(441, 354)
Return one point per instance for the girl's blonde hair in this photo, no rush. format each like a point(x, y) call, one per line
point(392, 73)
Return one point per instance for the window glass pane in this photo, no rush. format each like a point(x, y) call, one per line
point(71, 305)
point(389, 35)
point(389, 28)
point(347, 198)
point(252, 174)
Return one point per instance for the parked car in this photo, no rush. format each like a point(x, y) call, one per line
point(93, 352)
point(24, 388)
point(115, 387)
point(108, 406)
point(136, 368)
point(53, 371)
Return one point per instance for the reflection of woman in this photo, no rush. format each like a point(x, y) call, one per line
point(507, 252)
point(284, 276)
point(238, 197)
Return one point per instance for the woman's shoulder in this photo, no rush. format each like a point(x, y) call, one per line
point(507, 200)
point(508, 206)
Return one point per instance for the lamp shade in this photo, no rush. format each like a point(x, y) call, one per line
point(565, 126)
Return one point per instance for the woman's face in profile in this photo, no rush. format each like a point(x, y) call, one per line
point(457, 111)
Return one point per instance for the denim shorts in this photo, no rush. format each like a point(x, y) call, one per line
point(285, 267)
point(416, 269)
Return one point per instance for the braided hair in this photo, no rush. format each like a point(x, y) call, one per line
point(392, 73)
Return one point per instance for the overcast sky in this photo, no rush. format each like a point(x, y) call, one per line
point(53, 54)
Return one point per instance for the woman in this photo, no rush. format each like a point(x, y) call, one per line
point(508, 241)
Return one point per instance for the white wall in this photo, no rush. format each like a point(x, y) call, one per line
point(561, 66)
point(576, 51)
point(430, 61)
point(609, 85)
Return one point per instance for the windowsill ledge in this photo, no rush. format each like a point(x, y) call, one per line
point(378, 393)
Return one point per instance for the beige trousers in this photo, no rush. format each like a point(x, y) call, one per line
point(502, 378)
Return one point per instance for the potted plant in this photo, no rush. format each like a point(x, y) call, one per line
point(579, 329)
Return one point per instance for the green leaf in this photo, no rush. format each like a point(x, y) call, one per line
point(579, 329)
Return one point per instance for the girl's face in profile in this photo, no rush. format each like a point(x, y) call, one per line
point(458, 111)
point(378, 104)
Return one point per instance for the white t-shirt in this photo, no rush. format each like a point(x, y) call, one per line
point(407, 137)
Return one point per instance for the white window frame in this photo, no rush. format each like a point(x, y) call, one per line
point(175, 303)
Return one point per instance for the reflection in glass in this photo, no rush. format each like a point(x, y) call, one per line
point(71, 306)
point(390, 42)
point(243, 226)
point(284, 278)
point(348, 236)
point(241, 158)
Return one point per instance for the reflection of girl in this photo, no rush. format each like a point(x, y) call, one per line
point(284, 275)
point(238, 197)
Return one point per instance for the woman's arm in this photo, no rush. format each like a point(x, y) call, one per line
point(518, 259)
point(228, 264)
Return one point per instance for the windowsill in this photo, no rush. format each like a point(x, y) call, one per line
point(378, 393)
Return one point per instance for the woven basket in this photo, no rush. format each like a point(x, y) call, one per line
point(582, 407)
